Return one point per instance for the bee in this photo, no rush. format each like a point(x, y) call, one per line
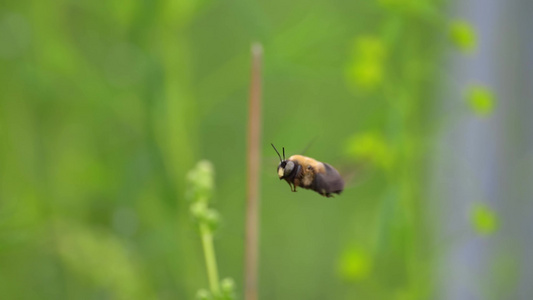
point(309, 174)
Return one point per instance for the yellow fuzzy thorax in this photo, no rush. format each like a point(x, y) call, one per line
point(305, 161)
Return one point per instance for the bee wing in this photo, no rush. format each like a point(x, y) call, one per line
point(356, 174)
point(329, 181)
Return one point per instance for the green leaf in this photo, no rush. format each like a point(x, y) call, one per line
point(481, 100)
point(463, 36)
point(484, 219)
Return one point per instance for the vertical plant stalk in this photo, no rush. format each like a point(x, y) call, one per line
point(210, 259)
point(251, 263)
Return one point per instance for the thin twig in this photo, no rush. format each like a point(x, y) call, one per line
point(252, 205)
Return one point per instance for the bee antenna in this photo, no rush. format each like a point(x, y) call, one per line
point(283, 153)
point(278, 152)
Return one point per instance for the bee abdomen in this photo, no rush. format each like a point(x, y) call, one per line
point(329, 182)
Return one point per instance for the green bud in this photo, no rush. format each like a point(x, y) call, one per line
point(227, 285)
point(203, 214)
point(203, 295)
point(212, 218)
point(199, 210)
point(201, 181)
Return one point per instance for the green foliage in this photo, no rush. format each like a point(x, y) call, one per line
point(102, 260)
point(106, 106)
point(372, 147)
point(366, 68)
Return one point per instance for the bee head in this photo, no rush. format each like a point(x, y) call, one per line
point(285, 168)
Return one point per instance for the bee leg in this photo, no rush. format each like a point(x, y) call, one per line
point(290, 186)
point(293, 187)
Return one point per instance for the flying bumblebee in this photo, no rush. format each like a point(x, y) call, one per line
point(309, 174)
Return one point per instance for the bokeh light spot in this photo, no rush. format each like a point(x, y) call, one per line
point(366, 67)
point(481, 100)
point(463, 36)
point(484, 219)
point(355, 264)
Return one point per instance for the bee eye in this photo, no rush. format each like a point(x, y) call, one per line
point(288, 168)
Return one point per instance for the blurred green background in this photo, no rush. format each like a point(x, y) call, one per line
point(105, 107)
